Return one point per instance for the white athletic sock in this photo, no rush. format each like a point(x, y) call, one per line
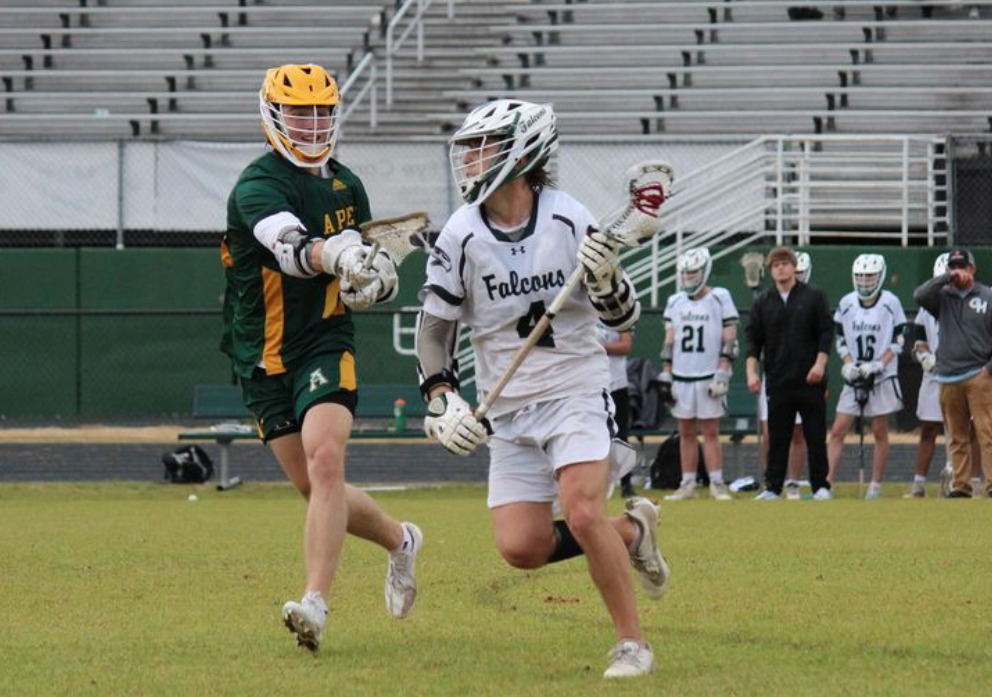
point(688, 478)
point(406, 544)
point(317, 599)
point(716, 477)
point(919, 479)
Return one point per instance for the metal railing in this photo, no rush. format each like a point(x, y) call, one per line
point(415, 23)
point(366, 63)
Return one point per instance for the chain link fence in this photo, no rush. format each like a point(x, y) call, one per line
point(972, 173)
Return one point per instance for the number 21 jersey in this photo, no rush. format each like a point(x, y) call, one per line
point(698, 325)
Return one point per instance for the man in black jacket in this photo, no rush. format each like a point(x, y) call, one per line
point(790, 325)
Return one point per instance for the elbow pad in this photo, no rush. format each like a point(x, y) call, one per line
point(616, 303)
point(436, 344)
point(284, 236)
point(730, 349)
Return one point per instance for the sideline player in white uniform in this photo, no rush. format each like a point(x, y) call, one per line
point(797, 448)
point(870, 323)
point(700, 346)
point(499, 261)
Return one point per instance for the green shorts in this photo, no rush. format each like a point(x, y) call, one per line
point(279, 402)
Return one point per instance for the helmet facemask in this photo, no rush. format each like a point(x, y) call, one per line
point(804, 267)
point(299, 105)
point(693, 270)
point(868, 275)
point(476, 161)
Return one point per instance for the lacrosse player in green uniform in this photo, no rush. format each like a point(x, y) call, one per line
point(296, 269)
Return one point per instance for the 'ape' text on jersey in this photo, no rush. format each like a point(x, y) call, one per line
point(500, 286)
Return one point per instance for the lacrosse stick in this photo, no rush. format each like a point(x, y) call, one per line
point(646, 186)
point(862, 390)
point(398, 236)
point(754, 269)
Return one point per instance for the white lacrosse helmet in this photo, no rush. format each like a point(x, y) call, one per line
point(804, 267)
point(868, 275)
point(693, 270)
point(499, 142)
point(940, 264)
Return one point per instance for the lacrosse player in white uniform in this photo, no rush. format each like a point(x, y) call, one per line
point(499, 261)
point(797, 448)
point(870, 324)
point(700, 346)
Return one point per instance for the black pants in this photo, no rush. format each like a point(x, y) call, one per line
point(784, 401)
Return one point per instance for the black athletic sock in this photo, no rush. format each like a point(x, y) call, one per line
point(566, 545)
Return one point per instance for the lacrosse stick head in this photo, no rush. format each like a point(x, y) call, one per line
point(647, 186)
point(398, 236)
point(754, 268)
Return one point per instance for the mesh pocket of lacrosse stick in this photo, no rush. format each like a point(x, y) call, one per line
point(648, 185)
point(398, 236)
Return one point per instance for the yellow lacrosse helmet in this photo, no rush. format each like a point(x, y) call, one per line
point(306, 138)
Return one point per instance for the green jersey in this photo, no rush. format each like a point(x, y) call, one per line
point(278, 320)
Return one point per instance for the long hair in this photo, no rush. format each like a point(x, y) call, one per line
point(540, 178)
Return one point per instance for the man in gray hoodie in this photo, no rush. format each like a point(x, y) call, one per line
point(963, 308)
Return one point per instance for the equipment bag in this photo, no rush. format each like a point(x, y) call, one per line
point(187, 465)
point(666, 468)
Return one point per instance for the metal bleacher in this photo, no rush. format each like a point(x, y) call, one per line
point(744, 67)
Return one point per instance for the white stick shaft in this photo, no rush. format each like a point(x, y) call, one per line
point(535, 335)
point(371, 257)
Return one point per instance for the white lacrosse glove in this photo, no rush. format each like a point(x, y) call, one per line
point(927, 361)
point(600, 257)
point(720, 384)
point(385, 269)
point(344, 256)
point(382, 289)
point(872, 368)
point(359, 298)
point(851, 372)
point(450, 422)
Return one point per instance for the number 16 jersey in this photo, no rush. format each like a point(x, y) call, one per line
point(500, 286)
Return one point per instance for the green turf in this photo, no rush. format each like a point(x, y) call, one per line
point(123, 589)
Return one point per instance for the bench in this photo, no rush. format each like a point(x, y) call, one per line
point(224, 404)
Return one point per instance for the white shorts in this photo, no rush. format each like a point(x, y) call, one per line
point(763, 406)
point(692, 401)
point(530, 445)
point(928, 404)
point(884, 399)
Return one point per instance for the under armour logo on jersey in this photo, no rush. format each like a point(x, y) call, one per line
point(338, 185)
point(514, 250)
point(317, 379)
point(978, 305)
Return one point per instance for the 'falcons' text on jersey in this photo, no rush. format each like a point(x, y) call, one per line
point(866, 333)
point(698, 325)
point(500, 283)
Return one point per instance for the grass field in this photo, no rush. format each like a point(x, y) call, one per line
point(126, 589)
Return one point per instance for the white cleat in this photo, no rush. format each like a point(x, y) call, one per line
point(946, 481)
point(306, 620)
point(629, 659)
point(401, 582)
point(685, 491)
point(647, 559)
point(823, 494)
point(767, 495)
point(792, 492)
point(720, 492)
point(917, 490)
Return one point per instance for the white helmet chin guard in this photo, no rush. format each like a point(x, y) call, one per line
point(940, 264)
point(868, 275)
point(499, 142)
point(693, 270)
point(804, 267)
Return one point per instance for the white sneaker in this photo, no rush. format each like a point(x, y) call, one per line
point(767, 495)
point(685, 491)
point(823, 494)
point(792, 490)
point(977, 488)
point(629, 659)
point(917, 490)
point(946, 481)
point(874, 492)
point(306, 619)
point(401, 583)
point(720, 492)
point(647, 559)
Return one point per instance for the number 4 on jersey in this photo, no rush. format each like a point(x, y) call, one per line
point(527, 323)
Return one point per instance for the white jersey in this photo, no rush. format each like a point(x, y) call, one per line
point(618, 363)
point(698, 325)
point(500, 288)
point(930, 327)
point(867, 332)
